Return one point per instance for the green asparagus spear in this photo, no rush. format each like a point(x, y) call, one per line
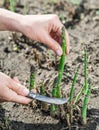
point(32, 78)
point(85, 86)
point(84, 107)
point(12, 5)
point(62, 62)
point(54, 94)
point(85, 71)
point(73, 84)
point(42, 89)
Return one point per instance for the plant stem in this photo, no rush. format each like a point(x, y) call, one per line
point(85, 71)
point(42, 90)
point(54, 94)
point(84, 107)
point(32, 78)
point(85, 86)
point(62, 62)
point(73, 84)
point(87, 90)
point(70, 106)
point(12, 5)
point(44, 106)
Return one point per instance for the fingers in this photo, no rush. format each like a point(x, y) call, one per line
point(55, 46)
point(11, 96)
point(67, 42)
point(18, 88)
point(14, 97)
point(52, 44)
point(13, 91)
point(57, 28)
point(16, 79)
point(17, 92)
point(67, 38)
point(21, 99)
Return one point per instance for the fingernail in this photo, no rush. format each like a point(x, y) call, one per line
point(25, 91)
point(58, 52)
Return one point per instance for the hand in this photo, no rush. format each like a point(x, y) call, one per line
point(45, 29)
point(12, 91)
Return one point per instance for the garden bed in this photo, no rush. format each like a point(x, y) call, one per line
point(82, 23)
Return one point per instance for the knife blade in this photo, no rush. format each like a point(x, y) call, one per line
point(50, 100)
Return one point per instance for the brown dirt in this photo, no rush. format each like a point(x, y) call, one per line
point(82, 23)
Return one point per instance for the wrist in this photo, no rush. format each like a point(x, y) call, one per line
point(10, 21)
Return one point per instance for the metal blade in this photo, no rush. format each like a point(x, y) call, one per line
point(50, 100)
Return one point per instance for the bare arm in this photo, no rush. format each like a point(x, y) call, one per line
point(10, 21)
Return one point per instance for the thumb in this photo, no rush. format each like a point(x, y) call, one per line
point(52, 44)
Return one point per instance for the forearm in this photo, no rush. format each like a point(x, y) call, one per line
point(10, 21)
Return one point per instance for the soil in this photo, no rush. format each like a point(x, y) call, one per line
point(17, 57)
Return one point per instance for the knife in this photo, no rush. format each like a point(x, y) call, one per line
point(50, 100)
